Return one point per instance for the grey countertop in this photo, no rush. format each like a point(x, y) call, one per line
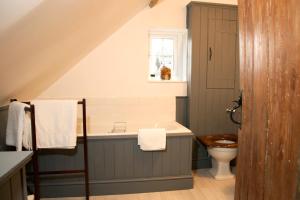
point(12, 161)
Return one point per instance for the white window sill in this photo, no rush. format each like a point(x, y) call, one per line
point(165, 81)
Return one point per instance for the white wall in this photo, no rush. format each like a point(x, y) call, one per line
point(136, 112)
point(43, 40)
point(118, 67)
point(13, 10)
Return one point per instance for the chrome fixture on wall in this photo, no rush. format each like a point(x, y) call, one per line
point(233, 110)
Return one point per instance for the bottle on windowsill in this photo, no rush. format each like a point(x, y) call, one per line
point(165, 73)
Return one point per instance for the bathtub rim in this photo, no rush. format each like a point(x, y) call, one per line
point(179, 131)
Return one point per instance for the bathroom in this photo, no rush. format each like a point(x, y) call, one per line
point(210, 99)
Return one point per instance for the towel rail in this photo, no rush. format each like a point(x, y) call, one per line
point(36, 173)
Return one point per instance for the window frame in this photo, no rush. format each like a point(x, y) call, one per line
point(180, 51)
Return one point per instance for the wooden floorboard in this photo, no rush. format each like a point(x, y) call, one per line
point(205, 188)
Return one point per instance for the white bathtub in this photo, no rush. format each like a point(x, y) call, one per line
point(132, 129)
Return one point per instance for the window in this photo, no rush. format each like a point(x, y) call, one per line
point(168, 48)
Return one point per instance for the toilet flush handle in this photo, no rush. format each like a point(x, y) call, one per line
point(232, 110)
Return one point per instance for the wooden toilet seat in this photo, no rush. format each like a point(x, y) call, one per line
point(211, 140)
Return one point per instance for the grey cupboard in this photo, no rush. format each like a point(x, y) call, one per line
point(13, 184)
point(213, 70)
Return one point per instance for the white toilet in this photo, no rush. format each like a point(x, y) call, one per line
point(222, 149)
point(221, 158)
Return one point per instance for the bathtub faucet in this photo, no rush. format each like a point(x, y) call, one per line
point(119, 127)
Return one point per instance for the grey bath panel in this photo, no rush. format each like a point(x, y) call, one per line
point(124, 159)
point(68, 189)
point(158, 163)
point(170, 158)
point(143, 162)
point(186, 149)
point(109, 161)
point(118, 165)
point(142, 185)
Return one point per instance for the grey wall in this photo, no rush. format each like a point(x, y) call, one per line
point(200, 158)
point(181, 110)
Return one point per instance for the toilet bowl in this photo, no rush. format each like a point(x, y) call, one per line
point(222, 149)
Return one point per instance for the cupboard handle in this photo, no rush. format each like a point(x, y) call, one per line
point(210, 53)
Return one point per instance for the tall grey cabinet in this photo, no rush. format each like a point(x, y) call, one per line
point(213, 71)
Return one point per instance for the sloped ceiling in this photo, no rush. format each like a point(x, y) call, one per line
point(43, 39)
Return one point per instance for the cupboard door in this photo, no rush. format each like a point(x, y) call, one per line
point(212, 86)
point(222, 49)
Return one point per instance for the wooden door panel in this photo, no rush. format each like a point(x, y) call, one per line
point(270, 78)
point(221, 67)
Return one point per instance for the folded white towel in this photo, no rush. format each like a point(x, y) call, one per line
point(152, 139)
point(55, 122)
point(15, 124)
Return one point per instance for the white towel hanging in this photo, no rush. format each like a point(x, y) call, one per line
point(56, 122)
point(152, 139)
point(15, 124)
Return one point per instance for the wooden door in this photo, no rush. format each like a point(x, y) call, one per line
point(269, 140)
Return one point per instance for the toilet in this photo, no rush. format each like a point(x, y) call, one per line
point(222, 148)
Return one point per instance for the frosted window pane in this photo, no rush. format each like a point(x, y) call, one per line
point(161, 53)
point(168, 48)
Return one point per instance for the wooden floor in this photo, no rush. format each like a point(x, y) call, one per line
point(205, 188)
